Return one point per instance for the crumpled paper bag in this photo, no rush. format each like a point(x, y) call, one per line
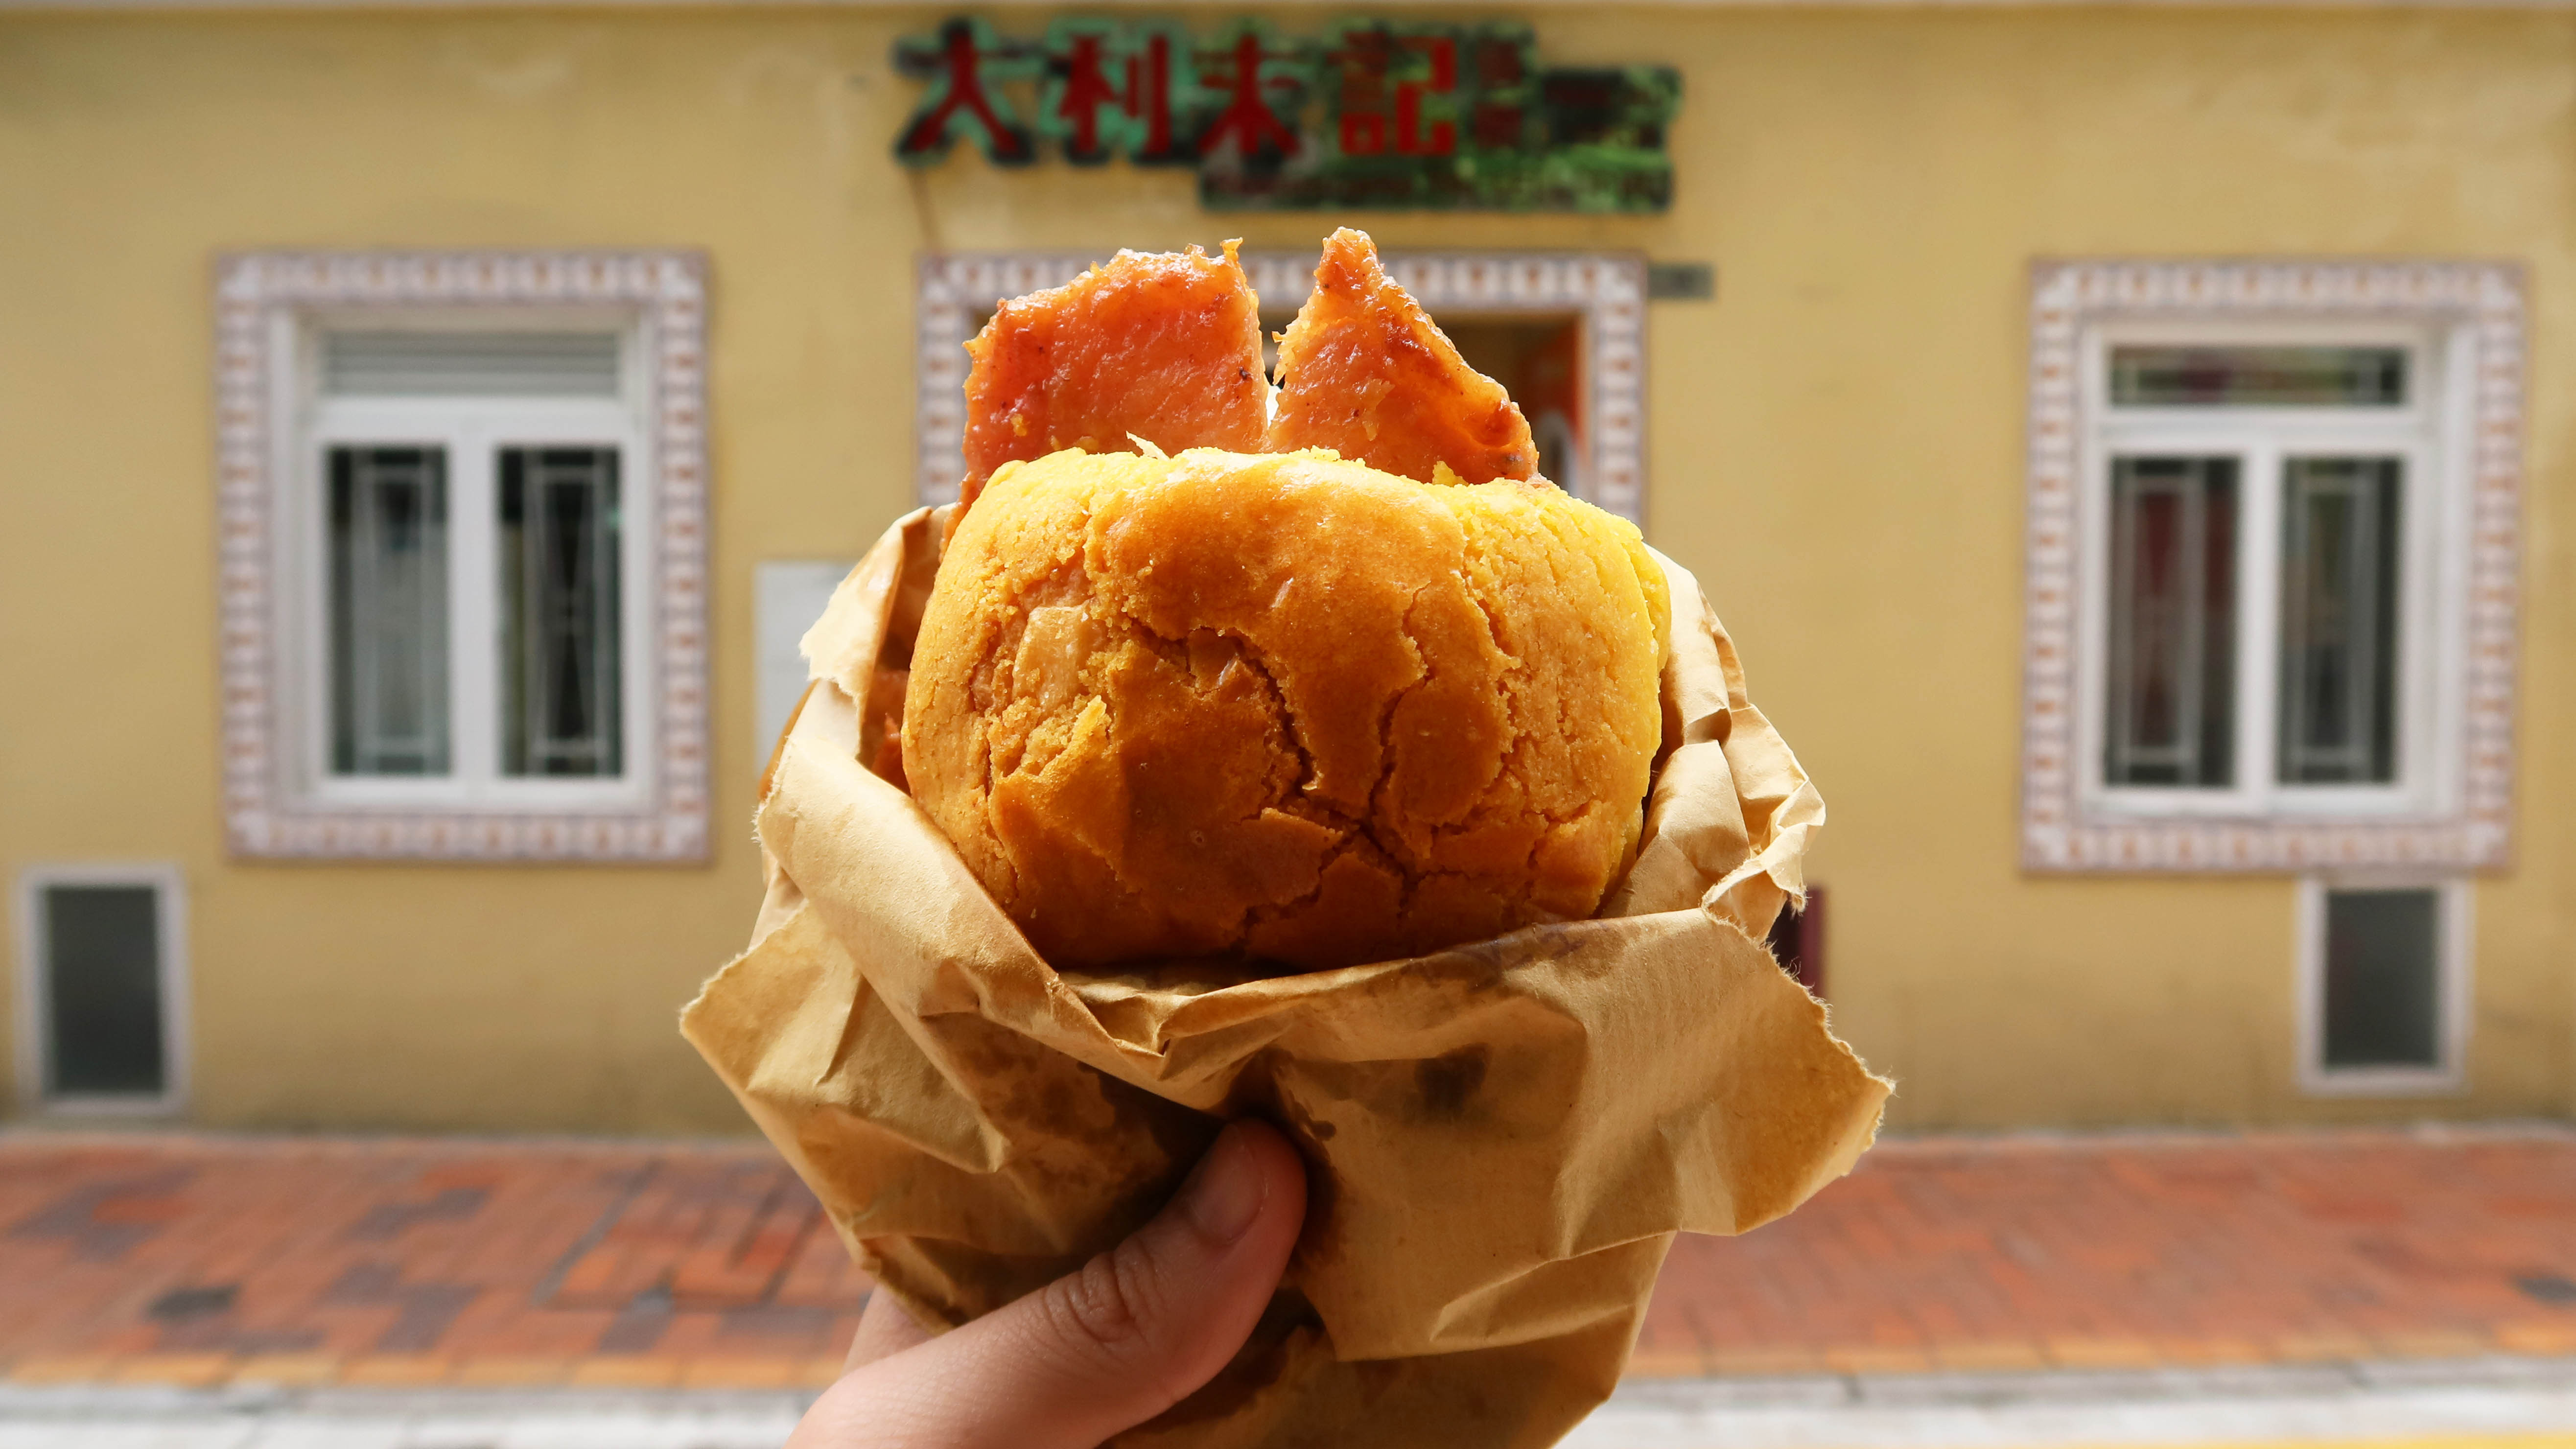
point(1501, 1140)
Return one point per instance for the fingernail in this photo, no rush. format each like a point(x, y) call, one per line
point(1224, 1192)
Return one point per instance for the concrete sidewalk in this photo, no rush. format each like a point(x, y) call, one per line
point(287, 1266)
point(2490, 1403)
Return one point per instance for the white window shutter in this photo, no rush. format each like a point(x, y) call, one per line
point(470, 364)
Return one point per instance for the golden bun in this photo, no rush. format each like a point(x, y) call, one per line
point(1284, 706)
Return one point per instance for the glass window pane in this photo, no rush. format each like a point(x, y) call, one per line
point(559, 610)
point(388, 529)
point(2269, 377)
point(2339, 538)
point(2382, 978)
point(103, 989)
point(2171, 716)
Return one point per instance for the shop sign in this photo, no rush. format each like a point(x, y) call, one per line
point(1371, 114)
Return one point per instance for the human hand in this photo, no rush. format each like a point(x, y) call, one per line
point(1103, 1349)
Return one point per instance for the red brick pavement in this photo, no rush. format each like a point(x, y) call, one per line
point(204, 1259)
point(2127, 1252)
point(413, 1261)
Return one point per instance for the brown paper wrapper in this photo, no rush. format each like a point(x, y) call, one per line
point(1501, 1140)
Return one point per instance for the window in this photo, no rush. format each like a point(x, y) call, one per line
point(2263, 503)
point(2341, 528)
point(562, 653)
point(468, 493)
point(2270, 607)
point(102, 997)
point(2171, 718)
point(1563, 332)
point(2383, 986)
point(465, 564)
point(387, 610)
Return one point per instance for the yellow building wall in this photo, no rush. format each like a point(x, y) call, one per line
point(1836, 449)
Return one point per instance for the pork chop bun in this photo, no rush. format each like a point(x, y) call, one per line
point(1333, 680)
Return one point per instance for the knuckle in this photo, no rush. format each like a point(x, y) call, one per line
point(1109, 1309)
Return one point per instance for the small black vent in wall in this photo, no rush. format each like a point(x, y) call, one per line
point(100, 949)
point(2383, 978)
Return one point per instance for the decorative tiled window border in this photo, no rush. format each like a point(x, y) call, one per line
point(957, 290)
point(2067, 298)
point(263, 816)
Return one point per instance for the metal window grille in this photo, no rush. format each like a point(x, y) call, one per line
point(2171, 712)
point(559, 586)
point(103, 1027)
point(389, 666)
point(2339, 537)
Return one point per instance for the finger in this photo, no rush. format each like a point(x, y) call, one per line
point(885, 1329)
point(1127, 1336)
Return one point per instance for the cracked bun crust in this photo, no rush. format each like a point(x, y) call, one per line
point(1284, 705)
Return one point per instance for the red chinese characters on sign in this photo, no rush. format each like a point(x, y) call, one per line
point(966, 65)
point(1258, 86)
point(1361, 65)
point(1118, 90)
point(1156, 74)
point(1076, 99)
point(1375, 113)
point(1441, 137)
point(1501, 70)
point(1384, 82)
point(1147, 93)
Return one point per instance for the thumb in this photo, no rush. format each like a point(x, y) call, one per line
point(1130, 1334)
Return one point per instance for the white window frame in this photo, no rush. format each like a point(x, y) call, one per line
point(281, 800)
point(2460, 436)
point(170, 904)
point(2427, 434)
point(471, 432)
point(956, 291)
point(2454, 937)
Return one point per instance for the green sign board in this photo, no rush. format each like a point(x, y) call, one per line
point(1372, 114)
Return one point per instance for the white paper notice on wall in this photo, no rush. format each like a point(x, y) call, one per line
point(788, 595)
